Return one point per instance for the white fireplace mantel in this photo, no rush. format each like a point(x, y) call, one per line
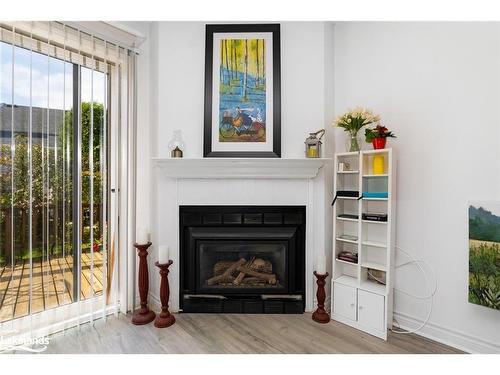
point(240, 167)
point(239, 182)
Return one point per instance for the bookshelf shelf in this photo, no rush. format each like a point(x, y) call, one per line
point(375, 175)
point(347, 219)
point(374, 287)
point(374, 244)
point(347, 280)
point(348, 240)
point(375, 266)
point(346, 262)
point(374, 222)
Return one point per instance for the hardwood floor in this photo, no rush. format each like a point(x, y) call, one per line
point(232, 333)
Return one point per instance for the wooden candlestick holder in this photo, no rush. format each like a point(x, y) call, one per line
point(144, 315)
point(320, 315)
point(164, 319)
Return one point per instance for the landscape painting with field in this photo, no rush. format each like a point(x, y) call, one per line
point(242, 90)
point(484, 254)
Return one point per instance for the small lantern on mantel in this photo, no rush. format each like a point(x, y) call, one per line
point(176, 152)
point(176, 145)
point(313, 144)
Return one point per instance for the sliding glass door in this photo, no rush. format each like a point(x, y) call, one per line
point(93, 181)
point(54, 205)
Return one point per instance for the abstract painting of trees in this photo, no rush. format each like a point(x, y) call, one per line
point(242, 90)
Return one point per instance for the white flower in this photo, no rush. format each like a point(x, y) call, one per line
point(359, 114)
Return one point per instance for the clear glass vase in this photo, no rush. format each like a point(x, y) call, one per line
point(353, 143)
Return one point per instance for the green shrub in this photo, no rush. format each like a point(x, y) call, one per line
point(484, 274)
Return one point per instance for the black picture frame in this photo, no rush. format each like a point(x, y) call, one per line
point(276, 84)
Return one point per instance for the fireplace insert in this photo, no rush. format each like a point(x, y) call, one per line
point(242, 259)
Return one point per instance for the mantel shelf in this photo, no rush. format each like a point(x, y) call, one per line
point(251, 168)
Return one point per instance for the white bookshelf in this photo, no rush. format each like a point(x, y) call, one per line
point(356, 300)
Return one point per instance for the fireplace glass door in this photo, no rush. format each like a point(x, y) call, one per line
point(229, 266)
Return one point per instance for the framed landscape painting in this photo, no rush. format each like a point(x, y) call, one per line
point(242, 91)
point(484, 254)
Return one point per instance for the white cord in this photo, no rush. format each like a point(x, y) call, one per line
point(430, 296)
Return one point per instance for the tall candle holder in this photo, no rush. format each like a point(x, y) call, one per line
point(320, 315)
point(164, 319)
point(144, 315)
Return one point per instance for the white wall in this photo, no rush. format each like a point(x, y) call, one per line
point(437, 86)
point(181, 52)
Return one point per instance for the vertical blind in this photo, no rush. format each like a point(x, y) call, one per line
point(61, 110)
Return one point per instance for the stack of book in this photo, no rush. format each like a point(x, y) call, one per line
point(348, 256)
point(374, 217)
point(348, 216)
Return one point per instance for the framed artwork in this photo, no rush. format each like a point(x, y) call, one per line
point(242, 91)
point(484, 254)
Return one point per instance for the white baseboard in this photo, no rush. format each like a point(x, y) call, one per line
point(154, 303)
point(328, 304)
point(448, 336)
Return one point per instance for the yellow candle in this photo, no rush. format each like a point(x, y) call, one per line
point(378, 164)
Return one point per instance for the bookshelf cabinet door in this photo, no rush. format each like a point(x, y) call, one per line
point(344, 301)
point(371, 310)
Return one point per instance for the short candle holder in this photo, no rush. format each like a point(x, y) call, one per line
point(320, 315)
point(164, 319)
point(144, 315)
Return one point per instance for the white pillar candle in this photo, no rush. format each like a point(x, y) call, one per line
point(163, 254)
point(321, 263)
point(142, 236)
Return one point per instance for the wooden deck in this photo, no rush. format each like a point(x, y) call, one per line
point(52, 284)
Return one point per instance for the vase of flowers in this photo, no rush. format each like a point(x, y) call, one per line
point(352, 142)
point(378, 136)
point(352, 121)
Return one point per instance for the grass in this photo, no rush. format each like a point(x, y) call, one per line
point(484, 273)
point(476, 243)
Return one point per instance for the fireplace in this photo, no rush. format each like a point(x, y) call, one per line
point(242, 259)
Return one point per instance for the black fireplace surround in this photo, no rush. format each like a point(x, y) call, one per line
point(242, 259)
